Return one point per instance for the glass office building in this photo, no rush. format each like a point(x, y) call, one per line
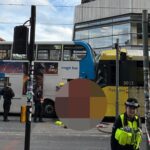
point(101, 23)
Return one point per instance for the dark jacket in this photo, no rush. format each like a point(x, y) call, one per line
point(118, 124)
point(38, 96)
point(7, 93)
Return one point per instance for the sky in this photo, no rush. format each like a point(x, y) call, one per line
point(54, 18)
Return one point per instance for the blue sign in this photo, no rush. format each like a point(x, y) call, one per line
point(2, 75)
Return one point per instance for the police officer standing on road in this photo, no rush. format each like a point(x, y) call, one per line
point(126, 132)
point(8, 94)
point(38, 101)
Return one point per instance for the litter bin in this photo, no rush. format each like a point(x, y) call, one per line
point(23, 114)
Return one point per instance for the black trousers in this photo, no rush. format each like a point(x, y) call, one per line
point(6, 107)
point(38, 113)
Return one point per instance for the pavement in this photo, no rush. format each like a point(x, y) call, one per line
point(105, 127)
point(49, 136)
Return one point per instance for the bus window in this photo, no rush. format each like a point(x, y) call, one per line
point(49, 52)
point(55, 52)
point(55, 55)
point(42, 54)
point(73, 53)
point(78, 55)
point(67, 55)
point(5, 52)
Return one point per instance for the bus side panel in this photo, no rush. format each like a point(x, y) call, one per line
point(87, 68)
point(66, 70)
point(16, 81)
point(49, 86)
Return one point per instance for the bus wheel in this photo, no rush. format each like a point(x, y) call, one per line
point(49, 109)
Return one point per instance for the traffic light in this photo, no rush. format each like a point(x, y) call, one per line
point(20, 41)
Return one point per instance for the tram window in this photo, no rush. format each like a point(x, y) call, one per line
point(107, 75)
point(111, 73)
point(128, 73)
point(102, 73)
point(73, 52)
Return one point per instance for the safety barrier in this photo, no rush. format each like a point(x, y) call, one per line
point(23, 114)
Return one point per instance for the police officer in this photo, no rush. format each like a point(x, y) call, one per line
point(8, 94)
point(126, 132)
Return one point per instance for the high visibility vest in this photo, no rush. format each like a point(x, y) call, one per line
point(130, 134)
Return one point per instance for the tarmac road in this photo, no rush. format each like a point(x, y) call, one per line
point(48, 136)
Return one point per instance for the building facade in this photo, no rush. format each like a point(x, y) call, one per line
point(102, 22)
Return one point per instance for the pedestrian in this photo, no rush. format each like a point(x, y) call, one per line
point(126, 131)
point(8, 94)
point(38, 102)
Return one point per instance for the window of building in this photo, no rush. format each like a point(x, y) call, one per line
point(121, 19)
point(128, 29)
point(121, 29)
point(124, 39)
point(135, 40)
point(101, 42)
point(101, 31)
point(84, 34)
point(139, 30)
point(106, 21)
point(137, 33)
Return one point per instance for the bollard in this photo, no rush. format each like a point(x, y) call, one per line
point(23, 114)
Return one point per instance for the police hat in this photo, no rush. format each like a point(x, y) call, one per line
point(132, 102)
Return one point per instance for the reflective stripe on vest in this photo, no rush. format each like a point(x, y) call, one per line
point(133, 125)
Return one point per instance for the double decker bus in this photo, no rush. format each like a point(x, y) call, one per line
point(54, 62)
point(131, 80)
